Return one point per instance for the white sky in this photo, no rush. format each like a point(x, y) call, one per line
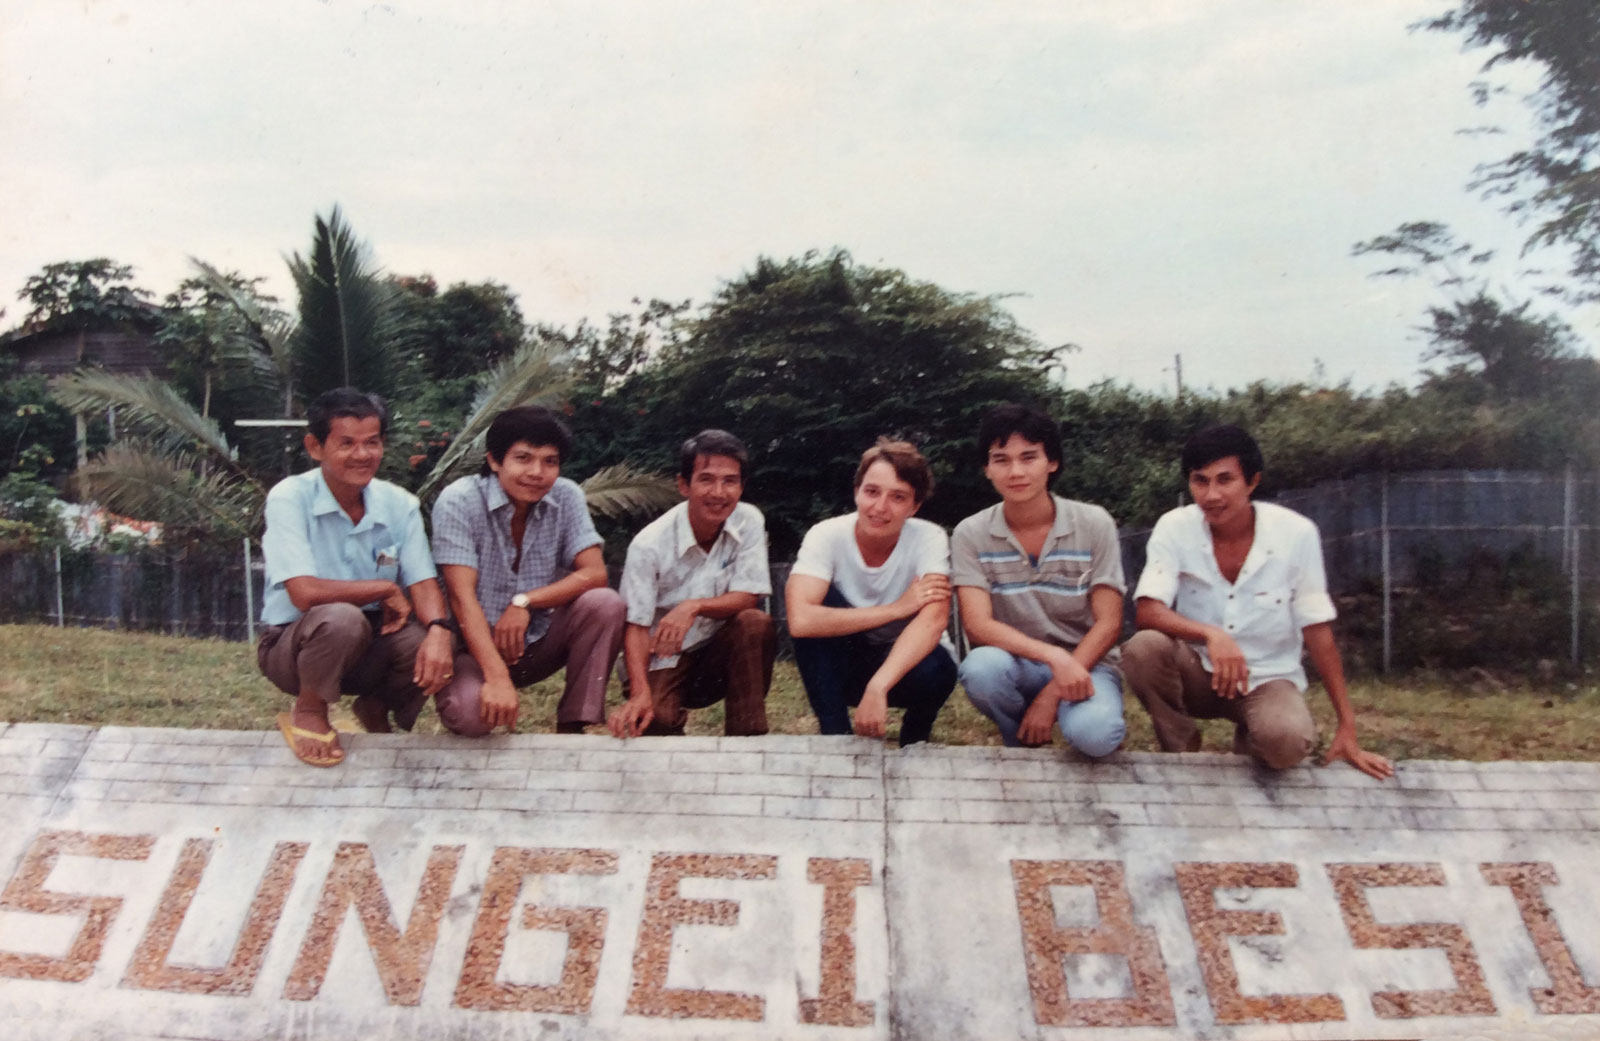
point(1150, 177)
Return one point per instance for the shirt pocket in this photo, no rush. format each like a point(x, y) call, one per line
point(386, 563)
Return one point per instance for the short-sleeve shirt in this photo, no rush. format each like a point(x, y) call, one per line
point(1281, 588)
point(1047, 599)
point(829, 552)
point(310, 536)
point(666, 566)
point(472, 528)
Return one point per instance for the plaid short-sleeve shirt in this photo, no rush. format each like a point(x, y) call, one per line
point(472, 528)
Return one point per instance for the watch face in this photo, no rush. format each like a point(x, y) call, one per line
point(520, 600)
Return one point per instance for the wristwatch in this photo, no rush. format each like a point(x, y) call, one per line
point(446, 624)
point(520, 600)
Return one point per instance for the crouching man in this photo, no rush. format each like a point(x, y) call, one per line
point(1039, 581)
point(517, 545)
point(1231, 592)
point(693, 581)
point(869, 599)
point(351, 603)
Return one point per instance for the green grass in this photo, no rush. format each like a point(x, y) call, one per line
point(95, 677)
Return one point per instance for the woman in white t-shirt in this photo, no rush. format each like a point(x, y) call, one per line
point(868, 602)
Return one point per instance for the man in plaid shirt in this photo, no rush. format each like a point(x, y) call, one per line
point(527, 583)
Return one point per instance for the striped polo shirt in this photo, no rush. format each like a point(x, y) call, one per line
point(1048, 599)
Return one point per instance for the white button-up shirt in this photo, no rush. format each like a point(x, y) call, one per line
point(1281, 588)
point(666, 566)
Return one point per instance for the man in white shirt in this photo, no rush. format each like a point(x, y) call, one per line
point(1231, 592)
point(868, 600)
point(693, 582)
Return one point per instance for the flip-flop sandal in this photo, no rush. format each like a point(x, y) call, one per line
point(291, 732)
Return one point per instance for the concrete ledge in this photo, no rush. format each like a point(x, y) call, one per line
point(205, 885)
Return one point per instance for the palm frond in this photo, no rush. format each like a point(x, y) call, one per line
point(348, 314)
point(269, 336)
point(537, 373)
point(150, 408)
point(142, 480)
point(624, 490)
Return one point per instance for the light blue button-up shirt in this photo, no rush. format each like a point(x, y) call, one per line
point(308, 534)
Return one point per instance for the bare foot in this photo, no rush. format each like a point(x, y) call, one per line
point(372, 714)
point(311, 737)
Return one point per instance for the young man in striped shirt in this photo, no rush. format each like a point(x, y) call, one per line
point(1039, 581)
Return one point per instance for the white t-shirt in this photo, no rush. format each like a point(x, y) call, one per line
point(829, 552)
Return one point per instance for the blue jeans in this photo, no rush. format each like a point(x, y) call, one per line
point(835, 670)
point(1002, 686)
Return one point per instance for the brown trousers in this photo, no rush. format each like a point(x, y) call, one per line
point(584, 638)
point(1271, 722)
point(335, 649)
point(735, 664)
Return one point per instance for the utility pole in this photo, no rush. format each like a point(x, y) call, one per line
point(1177, 372)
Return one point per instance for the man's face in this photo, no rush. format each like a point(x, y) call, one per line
point(1019, 469)
point(883, 501)
point(351, 454)
point(713, 490)
point(1221, 491)
point(527, 472)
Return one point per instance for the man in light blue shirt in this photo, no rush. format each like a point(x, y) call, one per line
point(351, 601)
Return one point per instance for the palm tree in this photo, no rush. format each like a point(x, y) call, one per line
point(176, 465)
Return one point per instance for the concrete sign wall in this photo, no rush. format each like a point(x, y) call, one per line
point(204, 885)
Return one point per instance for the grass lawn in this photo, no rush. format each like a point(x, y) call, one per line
point(95, 677)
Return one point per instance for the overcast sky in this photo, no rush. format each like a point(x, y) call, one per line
point(1149, 177)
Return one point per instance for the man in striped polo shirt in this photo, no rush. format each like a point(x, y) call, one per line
point(1039, 581)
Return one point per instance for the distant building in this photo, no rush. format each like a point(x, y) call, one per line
point(56, 352)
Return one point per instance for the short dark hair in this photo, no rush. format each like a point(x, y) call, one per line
point(1004, 421)
point(344, 403)
point(711, 442)
point(534, 424)
point(1219, 442)
point(908, 463)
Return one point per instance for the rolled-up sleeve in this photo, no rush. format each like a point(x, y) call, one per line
point(751, 572)
point(1159, 579)
point(453, 539)
point(1311, 604)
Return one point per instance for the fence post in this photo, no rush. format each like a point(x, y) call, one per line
point(1569, 550)
point(1388, 577)
point(61, 606)
point(249, 597)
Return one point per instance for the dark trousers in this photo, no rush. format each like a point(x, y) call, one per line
point(835, 670)
point(734, 666)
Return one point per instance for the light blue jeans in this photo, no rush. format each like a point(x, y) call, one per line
point(1002, 686)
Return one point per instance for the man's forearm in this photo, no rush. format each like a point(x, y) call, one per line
point(636, 655)
point(1153, 614)
point(565, 589)
point(307, 591)
point(992, 633)
point(1325, 659)
point(915, 642)
point(816, 620)
point(427, 600)
point(725, 606)
point(474, 626)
